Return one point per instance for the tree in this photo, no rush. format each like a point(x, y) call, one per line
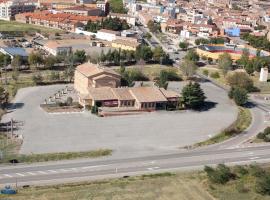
point(192, 55)
point(144, 52)
point(50, 61)
point(193, 96)
point(163, 80)
point(79, 56)
point(158, 54)
point(3, 96)
point(16, 62)
point(188, 67)
point(35, 59)
point(225, 63)
point(239, 95)
point(240, 80)
point(183, 45)
point(244, 59)
point(249, 67)
point(153, 27)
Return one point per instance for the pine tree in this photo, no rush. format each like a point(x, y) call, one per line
point(193, 96)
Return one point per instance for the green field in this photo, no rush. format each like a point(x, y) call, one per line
point(164, 186)
point(16, 26)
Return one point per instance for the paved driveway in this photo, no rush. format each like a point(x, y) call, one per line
point(143, 134)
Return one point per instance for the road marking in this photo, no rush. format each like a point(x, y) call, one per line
point(31, 173)
point(64, 170)
point(7, 175)
point(250, 153)
point(254, 158)
point(19, 174)
point(155, 167)
point(150, 168)
point(52, 171)
point(93, 166)
point(41, 172)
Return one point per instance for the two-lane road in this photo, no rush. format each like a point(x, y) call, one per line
point(62, 172)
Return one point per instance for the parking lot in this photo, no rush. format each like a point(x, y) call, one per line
point(142, 134)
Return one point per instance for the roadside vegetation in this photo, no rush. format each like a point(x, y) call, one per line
point(263, 136)
point(243, 121)
point(161, 186)
point(31, 158)
point(214, 183)
point(238, 182)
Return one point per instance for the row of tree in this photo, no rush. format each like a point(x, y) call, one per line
point(260, 42)
point(143, 52)
point(114, 24)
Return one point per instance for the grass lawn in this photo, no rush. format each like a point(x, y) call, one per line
point(165, 186)
point(242, 122)
point(16, 26)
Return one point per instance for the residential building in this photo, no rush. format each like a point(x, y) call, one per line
point(129, 19)
point(83, 10)
point(64, 21)
point(8, 9)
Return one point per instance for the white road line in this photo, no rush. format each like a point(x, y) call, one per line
point(64, 170)
point(42, 172)
point(19, 174)
point(52, 171)
point(150, 169)
point(254, 158)
point(93, 166)
point(31, 173)
point(7, 175)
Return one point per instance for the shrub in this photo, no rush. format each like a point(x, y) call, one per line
point(267, 131)
point(215, 75)
point(256, 171)
point(263, 185)
point(239, 95)
point(205, 72)
point(261, 135)
point(221, 175)
point(240, 170)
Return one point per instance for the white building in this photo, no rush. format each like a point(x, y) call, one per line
point(108, 35)
point(8, 9)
